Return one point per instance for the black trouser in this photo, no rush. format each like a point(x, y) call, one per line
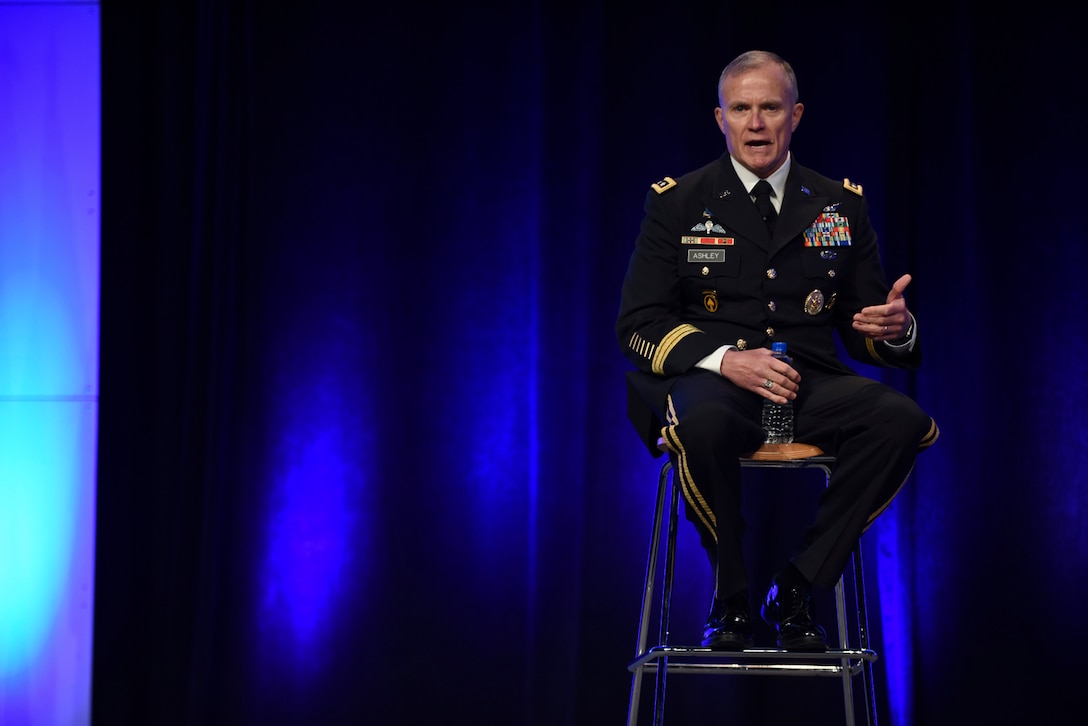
point(873, 430)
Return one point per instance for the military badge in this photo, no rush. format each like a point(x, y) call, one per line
point(692, 240)
point(829, 230)
point(814, 303)
point(709, 226)
point(710, 300)
point(664, 185)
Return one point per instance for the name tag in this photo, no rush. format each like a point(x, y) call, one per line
point(706, 255)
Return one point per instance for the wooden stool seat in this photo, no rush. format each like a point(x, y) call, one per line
point(771, 452)
point(785, 452)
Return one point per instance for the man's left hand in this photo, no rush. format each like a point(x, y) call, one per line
point(889, 321)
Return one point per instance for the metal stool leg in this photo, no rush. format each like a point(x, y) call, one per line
point(666, 602)
point(867, 680)
point(648, 594)
point(844, 644)
point(844, 640)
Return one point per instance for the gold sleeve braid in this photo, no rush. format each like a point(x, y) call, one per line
point(668, 343)
point(641, 346)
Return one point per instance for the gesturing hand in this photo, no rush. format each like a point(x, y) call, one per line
point(888, 321)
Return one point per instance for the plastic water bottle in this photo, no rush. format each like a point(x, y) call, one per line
point(778, 417)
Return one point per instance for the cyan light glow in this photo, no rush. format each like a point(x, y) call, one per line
point(47, 454)
point(38, 501)
point(49, 277)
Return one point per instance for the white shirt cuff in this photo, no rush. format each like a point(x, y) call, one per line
point(713, 362)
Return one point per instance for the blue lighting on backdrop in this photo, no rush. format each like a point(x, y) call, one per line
point(311, 527)
point(49, 179)
point(308, 537)
point(894, 613)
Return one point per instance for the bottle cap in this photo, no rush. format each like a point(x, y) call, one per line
point(778, 346)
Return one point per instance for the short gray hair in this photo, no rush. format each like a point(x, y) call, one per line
point(753, 59)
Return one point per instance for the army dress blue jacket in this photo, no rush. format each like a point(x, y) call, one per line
point(705, 272)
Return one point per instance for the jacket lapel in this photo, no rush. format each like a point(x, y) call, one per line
point(800, 207)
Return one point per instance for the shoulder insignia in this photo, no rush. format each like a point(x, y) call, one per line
point(855, 188)
point(664, 185)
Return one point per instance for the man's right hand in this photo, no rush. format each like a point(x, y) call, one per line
point(751, 369)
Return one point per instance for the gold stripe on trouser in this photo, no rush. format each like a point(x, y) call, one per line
point(885, 505)
point(931, 436)
point(927, 441)
point(692, 495)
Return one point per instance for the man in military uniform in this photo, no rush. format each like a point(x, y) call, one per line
point(714, 279)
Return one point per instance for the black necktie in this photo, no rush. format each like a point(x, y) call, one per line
point(762, 193)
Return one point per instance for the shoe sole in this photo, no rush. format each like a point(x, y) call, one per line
point(733, 643)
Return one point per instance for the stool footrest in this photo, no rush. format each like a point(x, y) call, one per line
point(756, 661)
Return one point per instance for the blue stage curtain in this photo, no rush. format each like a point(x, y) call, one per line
point(364, 453)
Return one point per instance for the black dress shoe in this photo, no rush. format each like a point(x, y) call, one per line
point(789, 610)
point(729, 625)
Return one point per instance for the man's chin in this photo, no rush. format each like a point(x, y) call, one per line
point(762, 165)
